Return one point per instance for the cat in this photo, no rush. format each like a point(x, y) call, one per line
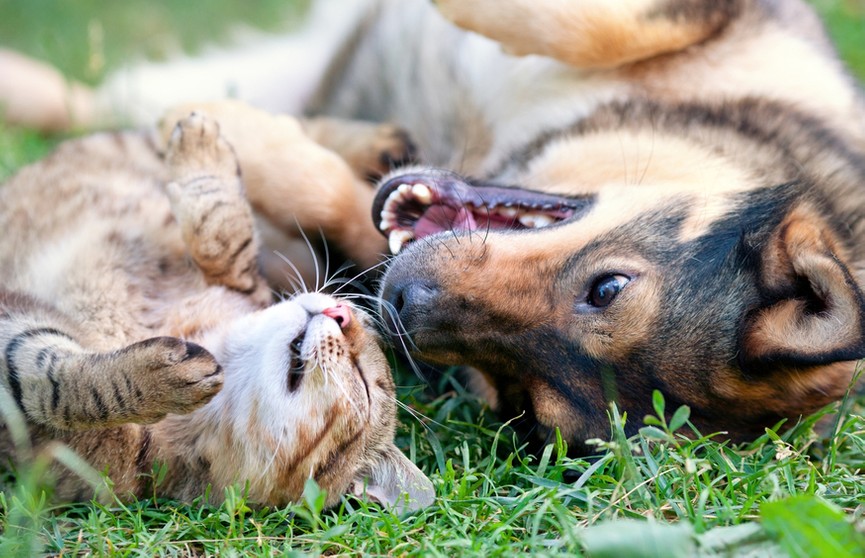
point(135, 327)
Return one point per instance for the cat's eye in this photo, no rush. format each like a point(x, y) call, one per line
point(605, 289)
point(296, 365)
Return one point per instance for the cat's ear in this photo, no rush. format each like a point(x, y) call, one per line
point(396, 482)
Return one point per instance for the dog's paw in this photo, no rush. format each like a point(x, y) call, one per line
point(197, 149)
point(390, 147)
point(179, 376)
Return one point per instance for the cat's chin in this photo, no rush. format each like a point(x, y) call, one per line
point(293, 392)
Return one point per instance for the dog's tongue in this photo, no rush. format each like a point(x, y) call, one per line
point(440, 218)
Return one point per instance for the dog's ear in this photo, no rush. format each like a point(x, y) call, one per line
point(815, 310)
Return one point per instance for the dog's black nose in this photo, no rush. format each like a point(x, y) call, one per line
point(406, 302)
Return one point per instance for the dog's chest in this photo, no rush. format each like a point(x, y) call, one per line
point(465, 101)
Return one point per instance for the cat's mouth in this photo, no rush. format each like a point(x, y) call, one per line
point(413, 205)
point(297, 364)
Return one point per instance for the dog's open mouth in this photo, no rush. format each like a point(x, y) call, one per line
point(409, 207)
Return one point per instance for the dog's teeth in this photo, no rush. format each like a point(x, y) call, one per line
point(509, 212)
point(388, 219)
point(398, 238)
point(536, 220)
point(397, 196)
point(421, 193)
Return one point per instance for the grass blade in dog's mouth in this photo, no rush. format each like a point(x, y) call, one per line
point(412, 206)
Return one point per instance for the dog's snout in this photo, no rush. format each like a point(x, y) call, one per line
point(408, 301)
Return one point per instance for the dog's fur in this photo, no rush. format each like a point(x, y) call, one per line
point(701, 164)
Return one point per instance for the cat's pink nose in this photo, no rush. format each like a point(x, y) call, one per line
point(340, 313)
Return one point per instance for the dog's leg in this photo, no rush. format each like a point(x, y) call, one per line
point(293, 182)
point(277, 73)
point(36, 95)
point(592, 33)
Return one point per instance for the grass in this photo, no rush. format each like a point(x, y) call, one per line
point(800, 493)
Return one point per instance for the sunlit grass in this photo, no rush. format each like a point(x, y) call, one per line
point(495, 500)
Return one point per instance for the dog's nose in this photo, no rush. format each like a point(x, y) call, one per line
point(408, 301)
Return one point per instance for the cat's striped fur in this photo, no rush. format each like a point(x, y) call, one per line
point(135, 327)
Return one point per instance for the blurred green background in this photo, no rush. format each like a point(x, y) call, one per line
point(845, 20)
point(86, 37)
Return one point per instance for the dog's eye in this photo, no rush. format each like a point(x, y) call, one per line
point(605, 290)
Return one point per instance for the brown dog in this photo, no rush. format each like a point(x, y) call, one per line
point(698, 233)
point(666, 194)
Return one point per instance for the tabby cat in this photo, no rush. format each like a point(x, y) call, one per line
point(136, 329)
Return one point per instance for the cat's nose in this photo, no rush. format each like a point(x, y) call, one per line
point(339, 313)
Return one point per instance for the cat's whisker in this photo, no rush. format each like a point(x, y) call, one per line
point(300, 284)
point(343, 281)
point(337, 381)
point(314, 255)
point(375, 318)
point(326, 259)
point(402, 333)
point(421, 418)
point(402, 336)
point(361, 274)
point(272, 458)
point(324, 371)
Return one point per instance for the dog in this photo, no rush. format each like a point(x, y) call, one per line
point(617, 196)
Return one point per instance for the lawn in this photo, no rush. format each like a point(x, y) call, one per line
point(800, 493)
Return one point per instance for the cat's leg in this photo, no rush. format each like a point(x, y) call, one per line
point(209, 202)
point(593, 33)
point(58, 383)
point(292, 181)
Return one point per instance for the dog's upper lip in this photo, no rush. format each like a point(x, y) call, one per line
point(412, 205)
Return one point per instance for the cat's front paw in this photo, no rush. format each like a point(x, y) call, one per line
point(179, 376)
point(197, 149)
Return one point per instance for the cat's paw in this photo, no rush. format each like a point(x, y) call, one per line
point(389, 148)
point(197, 149)
point(179, 376)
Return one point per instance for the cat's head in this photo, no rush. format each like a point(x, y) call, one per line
point(309, 394)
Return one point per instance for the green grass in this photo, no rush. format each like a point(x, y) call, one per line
point(699, 496)
point(656, 494)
